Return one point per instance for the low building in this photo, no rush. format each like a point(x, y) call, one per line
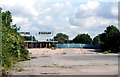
point(40, 44)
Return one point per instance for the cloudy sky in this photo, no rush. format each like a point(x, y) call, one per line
point(63, 16)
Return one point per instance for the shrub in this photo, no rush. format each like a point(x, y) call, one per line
point(53, 48)
point(64, 53)
point(105, 52)
point(31, 46)
point(13, 46)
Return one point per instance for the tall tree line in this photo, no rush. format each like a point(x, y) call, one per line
point(80, 38)
point(109, 40)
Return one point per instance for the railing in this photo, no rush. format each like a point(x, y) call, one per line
point(77, 46)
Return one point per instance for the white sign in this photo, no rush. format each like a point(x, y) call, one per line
point(45, 34)
point(24, 33)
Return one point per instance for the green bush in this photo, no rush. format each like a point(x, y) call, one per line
point(13, 46)
point(31, 46)
point(64, 53)
point(110, 39)
point(53, 48)
point(105, 52)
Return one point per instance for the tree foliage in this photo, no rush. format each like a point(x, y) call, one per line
point(96, 40)
point(29, 38)
point(83, 38)
point(110, 39)
point(61, 38)
point(13, 46)
point(0, 32)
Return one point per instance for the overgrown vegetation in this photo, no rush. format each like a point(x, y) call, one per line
point(109, 40)
point(56, 65)
point(53, 48)
point(61, 38)
point(47, 66)
point(80, 38)
point(83, 38)
point(64, 53)
point(13, 46)
point(105, 52)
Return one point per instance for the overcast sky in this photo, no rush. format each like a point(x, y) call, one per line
point(63, 16)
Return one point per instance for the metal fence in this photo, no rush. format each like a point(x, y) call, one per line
point(77, 46)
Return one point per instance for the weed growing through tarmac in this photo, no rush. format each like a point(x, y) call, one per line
point(64, 53)
point(62, 66)
point(106, 52)
point(19, 68)
point(106, 64)
point(56, 65)
point(116, 64)
point(47, 66)
point(50, 73)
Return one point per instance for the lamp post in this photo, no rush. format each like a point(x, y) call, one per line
point(53, 37)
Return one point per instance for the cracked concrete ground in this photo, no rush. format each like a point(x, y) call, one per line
point(75, 61)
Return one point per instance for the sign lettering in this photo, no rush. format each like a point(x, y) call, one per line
point(25, 33)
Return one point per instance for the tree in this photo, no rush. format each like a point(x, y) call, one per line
point(13, 46)
point(96, 40)
point(83, 38)
point(0, 31)
point(71, 41)
point(110, 39)
point(61, 38)
point(29, 38)
point(47, 40)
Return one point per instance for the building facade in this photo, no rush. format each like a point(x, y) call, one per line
point(40, 44)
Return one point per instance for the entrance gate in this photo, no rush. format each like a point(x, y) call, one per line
point(39, 44)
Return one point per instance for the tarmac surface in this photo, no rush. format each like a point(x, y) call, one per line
point(69, 63)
